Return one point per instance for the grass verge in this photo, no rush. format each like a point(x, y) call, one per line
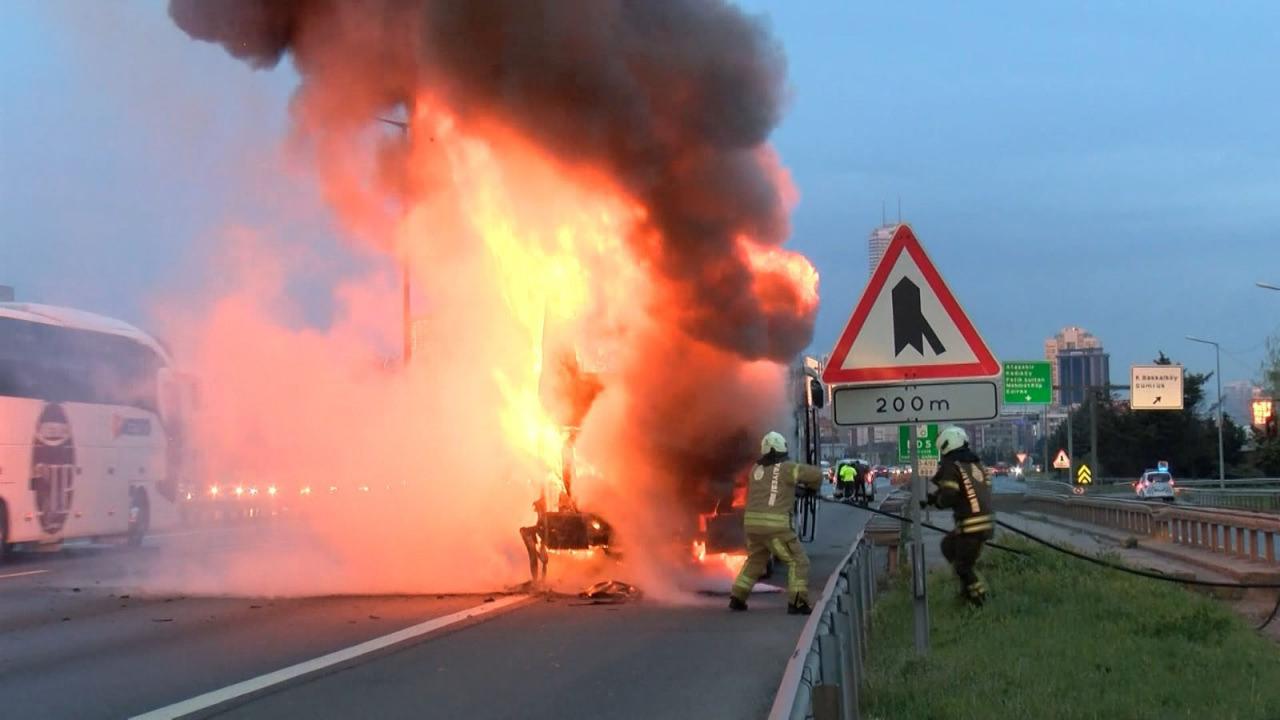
point(1062, 639)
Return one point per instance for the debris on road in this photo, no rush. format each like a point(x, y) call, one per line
point(611, 591)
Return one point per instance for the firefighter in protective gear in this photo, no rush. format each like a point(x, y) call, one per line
point(847, 477)
point(860, 475)
point(962, 484)
point(771, 492)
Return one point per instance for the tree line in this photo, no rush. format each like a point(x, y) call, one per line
point(1131, 441)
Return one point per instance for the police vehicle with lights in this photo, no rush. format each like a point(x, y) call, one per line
point(1156, 484)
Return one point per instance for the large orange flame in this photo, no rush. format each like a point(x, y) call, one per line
point(528, 287)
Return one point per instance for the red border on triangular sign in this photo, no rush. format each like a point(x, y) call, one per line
point(905, 241)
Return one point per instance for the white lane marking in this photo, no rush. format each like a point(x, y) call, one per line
point(253, 685)
point(23, 574)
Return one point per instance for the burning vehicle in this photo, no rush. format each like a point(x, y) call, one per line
point(563, 178)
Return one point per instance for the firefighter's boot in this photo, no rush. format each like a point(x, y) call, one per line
point(799, 606)
point(737, 605)
point(976, 593)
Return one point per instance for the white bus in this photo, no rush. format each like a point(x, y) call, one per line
point(92, 436)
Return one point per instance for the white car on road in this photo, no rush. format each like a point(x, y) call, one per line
point(1155, 485)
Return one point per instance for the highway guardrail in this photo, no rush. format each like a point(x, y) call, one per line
point(1243, 534)
point(1202, 493)
point(824, 676)
point(1260, 499)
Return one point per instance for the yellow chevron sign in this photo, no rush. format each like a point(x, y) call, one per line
point(1084, 476)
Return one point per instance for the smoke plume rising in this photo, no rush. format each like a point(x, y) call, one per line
point(596, 170)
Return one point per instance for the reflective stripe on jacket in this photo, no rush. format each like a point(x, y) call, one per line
point(771, 492)
point(964, 487)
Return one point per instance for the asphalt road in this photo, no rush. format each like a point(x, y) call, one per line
point(75, 644)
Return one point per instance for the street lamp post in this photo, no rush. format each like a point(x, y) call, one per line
point(1217, 376)
point(406, 322)
point(1267, 286)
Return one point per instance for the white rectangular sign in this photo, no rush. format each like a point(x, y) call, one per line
point(1155, 387)
point(903, 404)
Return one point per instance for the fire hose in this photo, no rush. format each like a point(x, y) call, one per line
point(1103, 563)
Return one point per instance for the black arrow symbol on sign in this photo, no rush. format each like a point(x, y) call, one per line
point(909, 324)
point(1156, 401)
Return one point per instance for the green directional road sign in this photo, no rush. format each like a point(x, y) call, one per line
point(926, 441)
point(1028, 382)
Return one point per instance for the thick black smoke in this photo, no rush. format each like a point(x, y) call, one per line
point(673, 98)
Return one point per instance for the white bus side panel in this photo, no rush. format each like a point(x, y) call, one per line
point(59, 488)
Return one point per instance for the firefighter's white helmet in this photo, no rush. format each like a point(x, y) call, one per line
point(773, 442)
point(952, 438)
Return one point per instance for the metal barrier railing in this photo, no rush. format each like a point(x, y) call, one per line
point(1202, 493)
point(1244, 535)
point(823, 681)
point(1260, 499)
point(1230, 483)
point(1253, 536)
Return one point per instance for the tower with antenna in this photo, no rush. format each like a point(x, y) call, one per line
point(878, 241)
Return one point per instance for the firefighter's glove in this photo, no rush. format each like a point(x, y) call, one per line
point(930, 499)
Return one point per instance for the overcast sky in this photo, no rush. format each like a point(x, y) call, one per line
point(1100, 166)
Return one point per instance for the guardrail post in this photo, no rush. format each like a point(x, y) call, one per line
point(826, 696)
point(856, 626)
point(870, 569)
point(868, 596)
point(843, 622)
point(1271, 547)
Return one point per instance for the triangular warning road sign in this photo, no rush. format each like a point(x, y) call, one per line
point(908, 326)
point(1062, 462)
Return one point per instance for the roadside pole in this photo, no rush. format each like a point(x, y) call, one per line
point(1071, 446)
point(908, 356)
point(1093, 432)
point(1044, 417)
point(919, 588)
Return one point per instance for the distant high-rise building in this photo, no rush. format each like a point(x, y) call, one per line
point(1069, 338)
point(1079, 368)
point(877, 244)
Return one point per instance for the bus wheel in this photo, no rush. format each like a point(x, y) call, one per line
point(139, 517)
